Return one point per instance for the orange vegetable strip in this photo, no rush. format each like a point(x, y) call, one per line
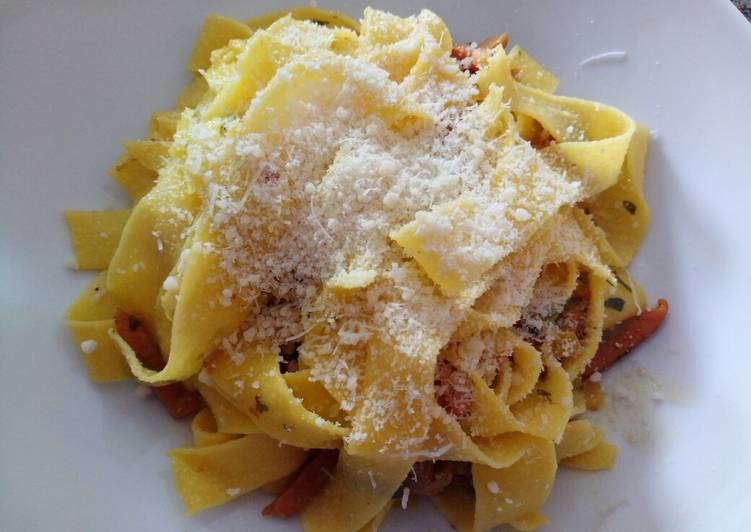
point(629, 334)
point(179, 400)
point(309, 482)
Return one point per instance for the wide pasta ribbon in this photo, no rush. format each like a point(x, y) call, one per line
point(592, 137)
point(530, 232)
point(252, 382)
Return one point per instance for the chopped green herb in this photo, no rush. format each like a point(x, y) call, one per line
point(616, 303)
point(552, 317)
point(630, 207)
point(260, 407)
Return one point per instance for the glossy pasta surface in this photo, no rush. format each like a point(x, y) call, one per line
point(364, 237)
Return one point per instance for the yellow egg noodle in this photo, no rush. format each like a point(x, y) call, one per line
point(352, 190)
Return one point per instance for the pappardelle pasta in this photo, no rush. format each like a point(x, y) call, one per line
point(371, 264)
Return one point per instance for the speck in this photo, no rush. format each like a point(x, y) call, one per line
point(493, 487)
point(521, 215)
point(97, 295)
point(170, 284)
point(616, 56)
point(405, 498)
point(226, 298)
point(89, 346)
point(204, 377)
point(249, 334)
point(233, 492)
point(341, 113)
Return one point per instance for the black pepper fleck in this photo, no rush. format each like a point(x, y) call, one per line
point(133, 322)
point(630, 207)
point(260, 407)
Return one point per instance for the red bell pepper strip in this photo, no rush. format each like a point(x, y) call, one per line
point(308, 483)
point(626, 337)
point(179, 400)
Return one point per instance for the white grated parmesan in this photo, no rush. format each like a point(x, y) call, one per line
point(615, 56)
point(89, 346)
point(322, 192)
point(372, 480)
point(205, 378)
point(170, 284)
point(405, 498)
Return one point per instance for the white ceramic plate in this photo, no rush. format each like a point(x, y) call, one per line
point(77, 77)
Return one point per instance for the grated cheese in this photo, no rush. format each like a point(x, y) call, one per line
point(372, 480)
point(89, 346)
point(308, 206)
point(205, 378)
point(405, 498)
point(170, 284)
point(615, 56)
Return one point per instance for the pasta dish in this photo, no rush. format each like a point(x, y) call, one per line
point(370, 264)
